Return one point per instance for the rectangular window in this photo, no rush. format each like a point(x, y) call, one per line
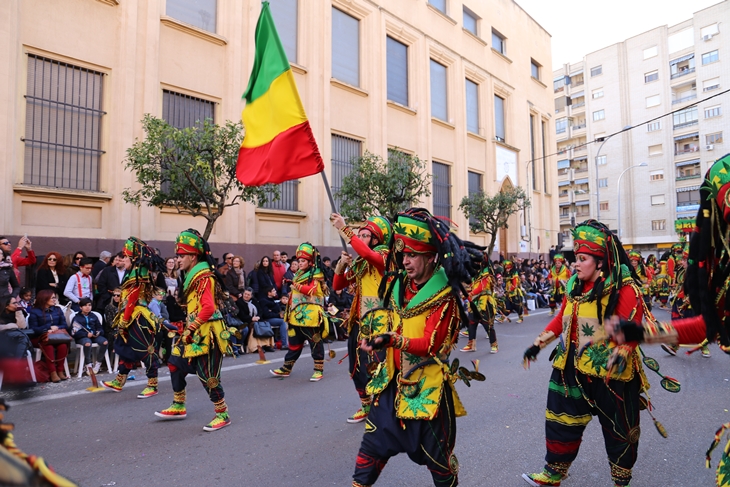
point(657, 199)
point(285, 14)
point(599, 115)
point(441, 190)
point(711, 112)
point(598, 93)
point(711, 84)
point(657, 225)
point(604, 205)
point(651, 76)
point(439, 107)
point(688, 170)
point(710, 57)
point(688, 198)
point(709, 30)
point(601, 160)
point(472, 106)
point(470, 21)
point(561, 125)
point(439, 5)
point(63, 112)
point(533, 151)
point(288, 197)
point(655, 150)
point(499, 43)
point(596, 71)
point(603, 183)
point(183, 111)
point(345, 47)
point(653, 126)
point(559, 84)
point(397, 61)
point(499, 118)
point(657, 175)
point(345, 151)
point(650, 52)
point(653, 101)
point(475, 186)
point(199, 13)
point(544, 159)
point(715, 138)
point(685, 118)
point(535, 69)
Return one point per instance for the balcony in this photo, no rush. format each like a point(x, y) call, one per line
point(687, 150)
point(680, 126)
point(683, 72)
point(581, 149)
point(688, 177)
point(579, 126)
point(685, 98)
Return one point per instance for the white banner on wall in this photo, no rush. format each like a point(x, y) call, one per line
point(506, 164)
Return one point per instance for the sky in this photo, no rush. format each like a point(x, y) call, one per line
point(579, 27)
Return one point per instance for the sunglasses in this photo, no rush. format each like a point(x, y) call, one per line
point(5, 243)
point(78, 258)
point(116, 295)
point(51, 259)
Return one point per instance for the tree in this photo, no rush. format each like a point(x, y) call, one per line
point(383, 187)
point(487, 214)
point(192, 170)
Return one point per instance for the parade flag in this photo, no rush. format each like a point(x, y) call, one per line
point(279, 145)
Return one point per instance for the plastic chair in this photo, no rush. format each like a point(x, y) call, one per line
point(28, 356)
point(79, 366)
point(39, 354)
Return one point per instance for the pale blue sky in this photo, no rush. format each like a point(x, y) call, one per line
point(579, 27)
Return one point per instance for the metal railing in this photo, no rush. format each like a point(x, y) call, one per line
point(684, 99)
point(685, 124)
point(344, 151)
point(687, 151)
point(682, 73)
point(288, 197)
point(691, 176)
point(578, 127)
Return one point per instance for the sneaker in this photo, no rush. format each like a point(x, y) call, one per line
point(112, 385)
point(670, 349)
point(280, 372)
point(520, 319)
point(542, 478)
point(175, 411)
point(220, 421)
point(468, 348)
point(96, 367)
point(130, 377)
point(552, 311)
point(705, 352)
point(147, 392)
point(360, 415)
point(317, 376)
point(464, 333)
point(495, 348)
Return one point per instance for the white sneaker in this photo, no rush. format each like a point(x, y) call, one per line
point(97, 366)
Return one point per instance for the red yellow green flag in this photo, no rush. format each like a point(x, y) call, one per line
point(279, 145)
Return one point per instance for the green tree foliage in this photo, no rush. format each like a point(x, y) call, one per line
point(192, 170)
point(383, 187)
point(487, 214)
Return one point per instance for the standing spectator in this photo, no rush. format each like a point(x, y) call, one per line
point(170, 275)
point(228, 260)
point(271, 311)
point(87, 330)
point(80, 284)
point(552, 253)
point(100, 264)
point(279, 269)
point(73, 267)
point(285, 259)
point(19, 260)
point(9, 285)
point(264, 278)
point(51, 275)
point(286, 282)
point(329, 272)
point(235, 280)
point(109, 279)
point(45, 317)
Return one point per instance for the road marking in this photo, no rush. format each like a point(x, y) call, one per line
point(142, 382)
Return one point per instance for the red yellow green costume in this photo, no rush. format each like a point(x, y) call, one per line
point(559, 275)
point(481, 295)
point(514, 294)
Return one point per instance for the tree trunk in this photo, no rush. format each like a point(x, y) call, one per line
point(490, 249)
point(209, 226)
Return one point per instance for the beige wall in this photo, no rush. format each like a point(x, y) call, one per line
point(142, 51)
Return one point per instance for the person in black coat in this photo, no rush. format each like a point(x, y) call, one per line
point(9, 285)
point(52, 275)
point(264, 278)
point(109, 279)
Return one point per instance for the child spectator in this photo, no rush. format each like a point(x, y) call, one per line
point(80, 284)
point(24, 301)
point(87, 330)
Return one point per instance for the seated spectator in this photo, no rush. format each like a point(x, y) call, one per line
point(249, 317)
point(288, 277)
point(80, 285)
point(9, 285)
point(270, 311)
point(229, 309)
point(18, 259)
point(14, 345)
point(329, 272)
point(51, 274)
point(104, 258)
point(110, 312)
point(88, 330)
point(543, 289)
point(341, 299)
point(45, 317)
point(24, 300)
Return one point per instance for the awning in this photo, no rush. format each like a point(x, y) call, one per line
point(562, 76)
point(580, 158)
point(687, 163)
point(688, 188)
point(582, 203)
point(563, 183)
point(581, 181)
point(577, 95)
point(564, 164)
point(683, 58)
point(686, 136)
point(576, 73)
point(564, 204)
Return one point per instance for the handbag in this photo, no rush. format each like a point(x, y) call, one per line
point(262, 329)
point(233, 321)
point(59, 337)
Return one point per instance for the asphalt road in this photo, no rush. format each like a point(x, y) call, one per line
point(291, 432)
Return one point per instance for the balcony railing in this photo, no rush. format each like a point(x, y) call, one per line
point(687, 151)
point(685, 98)
point(558, 90)
point(579, 170)
point(579, 149)
point(578, 105)
point(685, 124)
point(682, 73)
point(578, 127)
point(578, 83)
point(691, 176)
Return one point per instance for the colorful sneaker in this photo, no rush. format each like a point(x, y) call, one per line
point(670, 349)
point(113, 385)
point(175, 411)
point(469, 347)
point(542, 478)
point(464, 333)
point(147, 392)
point(495, 348)
point(705, 352)
point(280, 372)
point(220, 421)
point(360, 415)
point(317, 376)
point(520, 319)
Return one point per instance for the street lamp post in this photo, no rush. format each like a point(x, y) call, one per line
point(602, 140)
point(643, 164)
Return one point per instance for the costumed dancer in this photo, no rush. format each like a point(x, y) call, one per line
point(674, 262)
point(707, 282)
point(205, 338)
point(645, 275)
point(481, 295)
point(584, 381)
point(651, 262)
point(514, 294)
point(367, 316)
point(416, 405)
point(305, 313)
point(136, 326)
point(559, 275)
point(501, 300)
point(662, 285)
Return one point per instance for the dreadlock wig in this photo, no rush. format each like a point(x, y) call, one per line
point(144, 260)
point(416, 230)
point(309, 252)
point(594, 238)
point(708, 272)
point(635, 256)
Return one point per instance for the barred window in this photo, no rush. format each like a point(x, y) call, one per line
point(62, 125)
point(344, 151)
point(288, 197)
point(441, 190)
point(657, 225)
point(183, 111)
point(475, 186)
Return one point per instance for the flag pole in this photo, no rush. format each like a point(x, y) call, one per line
point(332, 203)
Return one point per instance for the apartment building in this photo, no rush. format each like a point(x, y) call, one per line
point(460, 84)
point(648, 175)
